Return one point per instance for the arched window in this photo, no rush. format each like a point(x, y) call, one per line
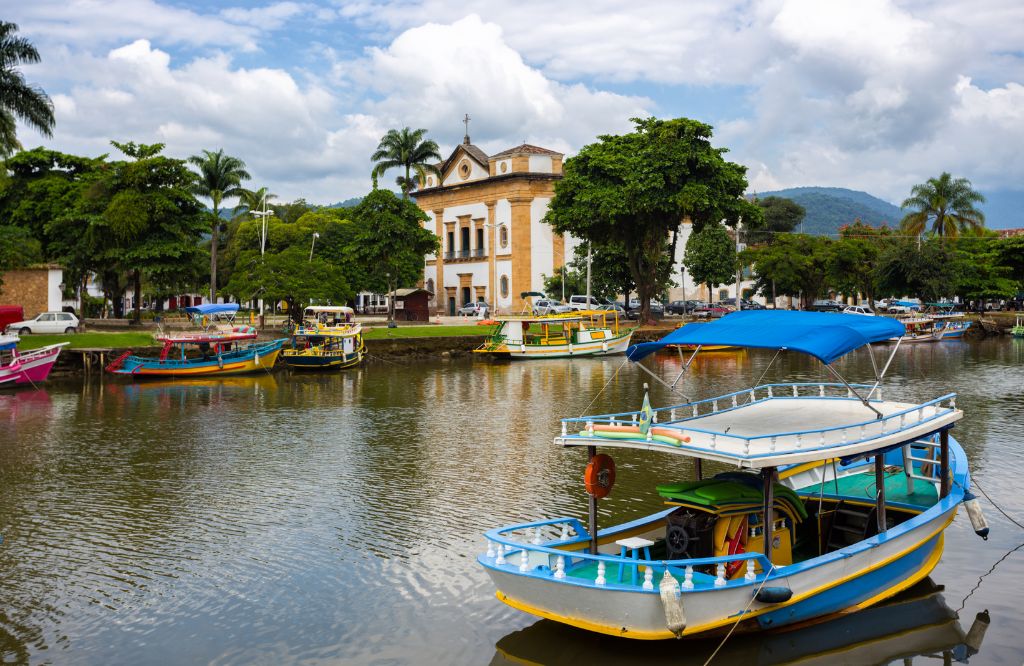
point(503, 235)
point(504, 284)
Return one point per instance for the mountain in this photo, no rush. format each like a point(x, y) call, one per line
point(829, 208)
point(347, 203)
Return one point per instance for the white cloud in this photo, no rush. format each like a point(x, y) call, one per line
point(267, 18)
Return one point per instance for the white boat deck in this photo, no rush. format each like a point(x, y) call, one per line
point(776, 430)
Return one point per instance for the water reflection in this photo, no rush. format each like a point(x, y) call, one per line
point(916, 623)
point(336, 518)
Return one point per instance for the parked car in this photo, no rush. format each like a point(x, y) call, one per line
point(580, 302)
point(858, 309)
point(711, 312)
point(477, 309)
point(617, 309)
point(684, 307)
point(547, 306)
point(747, 305)
point(657, 308)
point(827, 305)
point(46, 322)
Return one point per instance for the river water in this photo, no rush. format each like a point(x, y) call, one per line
point(336, 518)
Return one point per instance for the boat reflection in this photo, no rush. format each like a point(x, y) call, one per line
point(916, 623)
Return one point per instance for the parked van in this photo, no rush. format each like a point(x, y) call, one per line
point(580, 303)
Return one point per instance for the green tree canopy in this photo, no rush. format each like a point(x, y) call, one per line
point(220, 177)
point(710, 256)
point(780, 215)
point(943, 205)
point(794, 265)
point(633, 190)
point(929, 272)
point(390, 242)
point(406, 149)
point(981, 273)
point(853, 259)
point(18, 98)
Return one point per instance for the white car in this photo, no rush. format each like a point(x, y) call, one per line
point(46, 322)
point(859, 310)
point(547, 306)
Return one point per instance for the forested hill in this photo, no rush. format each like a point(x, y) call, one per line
point(829, 208)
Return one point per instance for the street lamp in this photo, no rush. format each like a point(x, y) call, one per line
point(263, 215)
point(315, 236)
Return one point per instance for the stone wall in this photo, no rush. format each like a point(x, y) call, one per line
point(28, 288)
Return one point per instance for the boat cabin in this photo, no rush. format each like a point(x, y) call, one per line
point(328, 315)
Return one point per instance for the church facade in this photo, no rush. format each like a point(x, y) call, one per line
point(488, 212)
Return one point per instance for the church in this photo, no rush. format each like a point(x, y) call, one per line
point(488, 212)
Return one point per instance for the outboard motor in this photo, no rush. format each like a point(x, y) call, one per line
point(974, 513)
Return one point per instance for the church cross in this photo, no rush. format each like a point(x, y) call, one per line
point(465, 121)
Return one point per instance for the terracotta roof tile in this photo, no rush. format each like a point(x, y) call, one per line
point(526, 148)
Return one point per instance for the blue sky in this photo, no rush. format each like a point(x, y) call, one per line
point(873, 95)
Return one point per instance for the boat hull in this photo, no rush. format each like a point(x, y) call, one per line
point(615, 345)
point(321, 362)
point(30, 368)
point(257, 358)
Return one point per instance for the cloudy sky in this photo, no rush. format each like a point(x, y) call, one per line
point(868, 94)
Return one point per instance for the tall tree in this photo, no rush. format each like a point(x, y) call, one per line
point(943, 205)
point(794, 265)
point(153, 218)
point(220, 178)
point(781, 215)
point(390, 242)
point(633, 190)
point(711, 257)
point(853, 259)
point(406, 149)
point(18, 98)
point(929, 272)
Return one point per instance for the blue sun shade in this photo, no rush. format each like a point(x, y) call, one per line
point(824, 335)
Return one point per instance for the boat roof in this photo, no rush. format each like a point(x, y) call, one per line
point(8, 342)
point(823, 335)
point(547, 319)
point(212, 308)
point(208, 336)
point(772, 430)
point(344, 309)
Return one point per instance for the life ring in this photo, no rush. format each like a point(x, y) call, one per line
point(600, 475)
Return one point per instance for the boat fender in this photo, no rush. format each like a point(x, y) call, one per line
point(672, 602)
point(978, 521)
point(976, 634)
point(773, 595)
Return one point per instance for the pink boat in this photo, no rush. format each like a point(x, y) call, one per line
point(31, 367)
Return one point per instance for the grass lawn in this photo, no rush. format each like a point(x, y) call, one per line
point(90, 340)
point(425, 332)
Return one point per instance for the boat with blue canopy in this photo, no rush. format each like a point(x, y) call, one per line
point(839, 498)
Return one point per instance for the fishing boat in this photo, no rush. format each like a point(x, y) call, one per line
point(918, 328)
point(30, 367)
point(948, 321)
point(327, 339)
point(583, 333)
point(1018, 329)
point(840, 497)
point(221, 348)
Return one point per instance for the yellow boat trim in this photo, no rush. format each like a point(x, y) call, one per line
point(921, 572)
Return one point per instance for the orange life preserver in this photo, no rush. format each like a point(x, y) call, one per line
point(600, 475)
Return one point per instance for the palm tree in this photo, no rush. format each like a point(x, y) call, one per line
point(220, 178)
point(18, 97)
point(945, 204)
point(250, 200)
point(405, 148)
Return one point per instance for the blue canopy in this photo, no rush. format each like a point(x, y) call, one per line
point(212, 308)
point(824, 335)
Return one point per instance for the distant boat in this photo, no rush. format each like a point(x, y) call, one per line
point(224, 350)
point(583, 333)
point(327, 339)
point(919, 328)
point(30, 367)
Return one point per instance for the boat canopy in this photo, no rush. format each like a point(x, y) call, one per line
point(339, 309)
point(823, 335)
point(8, 342)
point(212, 308)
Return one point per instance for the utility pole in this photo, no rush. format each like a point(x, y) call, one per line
point(588, 274)
point(739, 268)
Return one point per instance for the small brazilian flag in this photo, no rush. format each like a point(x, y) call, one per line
point(645, 415)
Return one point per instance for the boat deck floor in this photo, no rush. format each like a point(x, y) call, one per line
point(862, 486)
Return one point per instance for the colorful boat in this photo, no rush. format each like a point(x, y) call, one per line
point(918, 328)
point(583, 333)
point(31, 367)
point(327, 339)
point(220, 349)
point(948, 321)
point(851, 493)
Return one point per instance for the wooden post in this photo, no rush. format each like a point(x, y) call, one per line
point(768, 477)
point(880, 491)
point(698, 468)
point(944, 463)
point(592, 510)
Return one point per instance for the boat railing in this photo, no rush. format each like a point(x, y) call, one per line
point(809, 439)
point(549, 558)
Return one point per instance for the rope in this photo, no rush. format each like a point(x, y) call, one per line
point(1000, 560)
point(739, 618)
point(975, 484)
point(614, 375)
